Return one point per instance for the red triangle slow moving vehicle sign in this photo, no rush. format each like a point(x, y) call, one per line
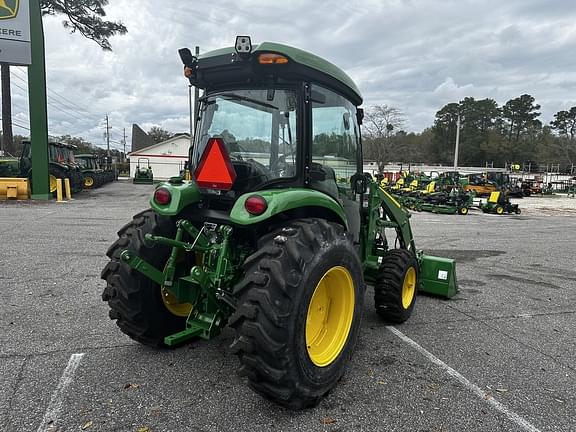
point(215, 171)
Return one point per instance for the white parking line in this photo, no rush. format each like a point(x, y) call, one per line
point(524, 424)
point(55, 404)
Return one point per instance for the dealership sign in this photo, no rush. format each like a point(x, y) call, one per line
point(15, 32)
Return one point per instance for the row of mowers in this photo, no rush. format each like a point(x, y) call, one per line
point(445, 194)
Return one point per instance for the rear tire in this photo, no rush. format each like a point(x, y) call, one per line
point(136, 301)
point(283, 346)
point(396, 286)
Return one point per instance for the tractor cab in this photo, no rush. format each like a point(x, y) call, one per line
point(274, 117)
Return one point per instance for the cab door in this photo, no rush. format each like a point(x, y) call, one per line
point(335, 151)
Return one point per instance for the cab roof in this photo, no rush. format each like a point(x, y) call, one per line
point(311, 66)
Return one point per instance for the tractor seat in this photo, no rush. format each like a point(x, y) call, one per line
point(324, 179)
point(249, 175)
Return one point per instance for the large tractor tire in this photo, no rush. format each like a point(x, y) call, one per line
point(90, 181)
point(299, 311)
point(141, 308)
point(396, 286)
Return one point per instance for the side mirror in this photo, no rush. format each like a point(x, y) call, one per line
point(346, 120)
point(360, 183)
point(186, 56)
point(359, 115)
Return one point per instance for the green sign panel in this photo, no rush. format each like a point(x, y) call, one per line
point(15, 32)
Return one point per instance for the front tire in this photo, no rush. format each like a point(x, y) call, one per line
point(396, 286)
point(299, 311)
point(136, 301)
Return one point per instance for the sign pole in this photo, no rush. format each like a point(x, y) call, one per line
point(37, 100)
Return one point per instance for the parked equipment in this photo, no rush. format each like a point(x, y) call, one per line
point(499, 203)
point(271, 237)
point(93, 175)
point(143, 174)
point(61, 165)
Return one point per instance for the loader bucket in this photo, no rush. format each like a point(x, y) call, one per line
point(14, 188)
point(438, 276)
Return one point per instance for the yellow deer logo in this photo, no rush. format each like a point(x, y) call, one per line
point(9, 8)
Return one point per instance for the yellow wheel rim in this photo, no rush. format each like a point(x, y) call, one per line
point(499, 210)
point(52, 183)
point(330, 315)
point(88, 181)
point(408, 288)
point(464, 210)
point(171, 303)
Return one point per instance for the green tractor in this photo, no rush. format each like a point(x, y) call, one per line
point(278, 231)
point(91, 171)
point(143, 173)
point(61, 165)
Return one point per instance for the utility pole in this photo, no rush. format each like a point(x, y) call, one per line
point(457, 143)
point(124, 142)
point(7, 138)
point(108, 127)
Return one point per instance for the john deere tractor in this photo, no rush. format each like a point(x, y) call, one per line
point(93, 175)
point(278, 231)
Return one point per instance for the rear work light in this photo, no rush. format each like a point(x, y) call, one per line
point(255, 205)
point(271, 58)
point(162, 196)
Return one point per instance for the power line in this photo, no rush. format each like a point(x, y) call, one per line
point(18, 125)
point(65, 111)
point(71, 104)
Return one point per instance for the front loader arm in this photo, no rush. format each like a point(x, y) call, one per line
point(436, 275)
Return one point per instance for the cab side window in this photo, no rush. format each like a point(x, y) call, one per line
point(334, 143)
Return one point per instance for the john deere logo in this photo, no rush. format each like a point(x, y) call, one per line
point(9, 8)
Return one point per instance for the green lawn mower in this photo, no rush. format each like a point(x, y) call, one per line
point(499, 203)
point(278, 232)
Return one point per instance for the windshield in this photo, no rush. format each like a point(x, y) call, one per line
point(258, 128)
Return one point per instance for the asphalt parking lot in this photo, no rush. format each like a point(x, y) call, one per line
point(498, 357)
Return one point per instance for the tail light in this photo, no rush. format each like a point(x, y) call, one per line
point(162, 196)
point(255, 205)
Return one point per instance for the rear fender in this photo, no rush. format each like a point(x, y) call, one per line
point(283, 200)
point(183, 195)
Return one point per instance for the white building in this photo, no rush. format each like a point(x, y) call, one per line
point(166, 158)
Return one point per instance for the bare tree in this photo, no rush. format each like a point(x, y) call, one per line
point(380, 123)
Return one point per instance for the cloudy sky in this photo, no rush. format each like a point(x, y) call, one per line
point(416, 55)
